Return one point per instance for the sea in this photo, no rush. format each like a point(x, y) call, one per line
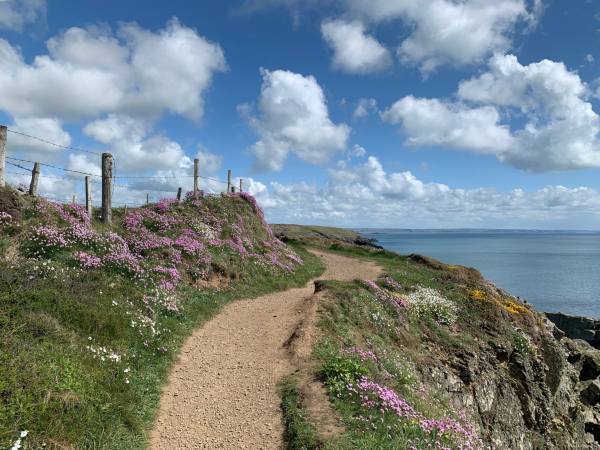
point(556, 271)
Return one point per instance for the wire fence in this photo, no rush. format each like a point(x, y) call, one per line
point(131, 190)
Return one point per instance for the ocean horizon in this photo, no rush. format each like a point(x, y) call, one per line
point(554, 270)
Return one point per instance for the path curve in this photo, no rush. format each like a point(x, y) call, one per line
point(222, 390)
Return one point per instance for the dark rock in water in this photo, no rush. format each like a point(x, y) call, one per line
point(576, 327)
point(367, 242)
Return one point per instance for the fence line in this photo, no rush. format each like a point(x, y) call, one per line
point(107, 178)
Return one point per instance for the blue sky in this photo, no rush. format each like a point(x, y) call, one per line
point(476, 113)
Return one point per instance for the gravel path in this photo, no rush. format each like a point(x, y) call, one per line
point(222, 391)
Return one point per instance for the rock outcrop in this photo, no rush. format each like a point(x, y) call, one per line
point(576, 327)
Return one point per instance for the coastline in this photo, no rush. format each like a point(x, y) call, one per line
point(573, 326)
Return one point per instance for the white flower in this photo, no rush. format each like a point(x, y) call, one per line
point(24, 433)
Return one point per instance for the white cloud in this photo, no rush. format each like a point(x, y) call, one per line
point(364, 107)
point(367, 195)
point(132, 145)
point(15, 14)
point(293, 118)
point(50, 129)
point(449, 31)
point(137, 72)
point(435, 122)
point(589, 58)
point(209, 163)
point(437, 32)
point(358, 151)
point(561, 130)
point(354, 50)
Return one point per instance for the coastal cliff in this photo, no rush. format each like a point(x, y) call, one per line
point(474, 352)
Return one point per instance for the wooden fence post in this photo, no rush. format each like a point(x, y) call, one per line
point(107, 165)
point(35, 174)
point(2, 155)
point(88, 196)
point(179, 194)
point(196, 186)
point(73, 200)
point(241, 185)
point(147, 199)
point(228, 181)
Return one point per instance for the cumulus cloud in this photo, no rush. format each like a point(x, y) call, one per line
point(449, 31)
point(136, 150)
point(209, 163)
point(293, 118)
point(119, 82)
point(15, 14)
point(364, 107)
point(560, 130)
point(437, 32)
point(366, 194)
point(136, 72)
point(354, 50)
point(435, 122)
point(51, 129)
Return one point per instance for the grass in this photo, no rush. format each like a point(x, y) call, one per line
point(77, 369)
point(51, 385)
point(365, 336)
point(300, 434)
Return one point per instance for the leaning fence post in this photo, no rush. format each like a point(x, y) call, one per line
point(2, 154)
point(196, 165)
point(241, 185)
point(107, 164)
point(88, 195)
point(228, 180)
point(35, 174)
point(179, 194)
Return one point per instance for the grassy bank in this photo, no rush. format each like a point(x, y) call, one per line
point(86, 338)
point(388, 346)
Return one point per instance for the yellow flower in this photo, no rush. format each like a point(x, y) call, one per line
point(477, 294)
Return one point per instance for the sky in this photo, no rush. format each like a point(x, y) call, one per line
point(354, 113)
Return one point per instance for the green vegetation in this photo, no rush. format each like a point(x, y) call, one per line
point(84, 350)
point(380, 336)
point(300, 434)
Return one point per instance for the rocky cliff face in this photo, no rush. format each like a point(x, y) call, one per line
point(527, 385)
point(547, 399)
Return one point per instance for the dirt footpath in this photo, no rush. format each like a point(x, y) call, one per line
point(222, 391)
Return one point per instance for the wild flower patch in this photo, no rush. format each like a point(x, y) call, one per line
point(379, 400)
point(429, 303)
point(385, 296)
point(161, 246)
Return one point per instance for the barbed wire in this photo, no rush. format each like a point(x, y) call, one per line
point(54, 167)
point(45, 141)
point(19, 166)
